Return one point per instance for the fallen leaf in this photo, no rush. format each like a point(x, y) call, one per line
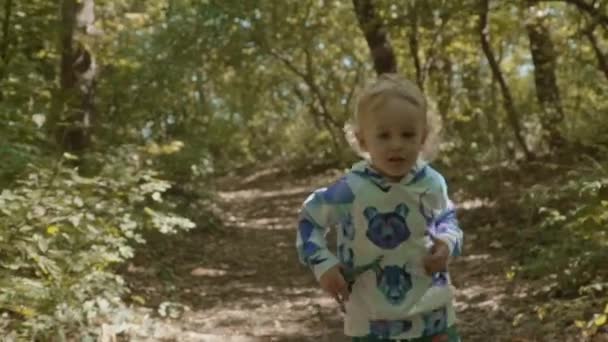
point(207, 272)
point(496, 244)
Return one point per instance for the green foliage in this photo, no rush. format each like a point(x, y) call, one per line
point(243, 82)
point(61, 235)
point(234, 77)
point(571, 235)
point(15, 158)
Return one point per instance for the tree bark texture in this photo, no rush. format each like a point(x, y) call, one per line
point(376, 36)
point(508, 103)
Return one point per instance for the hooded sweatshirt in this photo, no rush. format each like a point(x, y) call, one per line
point(384, 230)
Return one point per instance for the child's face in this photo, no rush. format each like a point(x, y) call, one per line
point(393, 134)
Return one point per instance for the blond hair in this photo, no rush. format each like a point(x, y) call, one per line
point(376, 94)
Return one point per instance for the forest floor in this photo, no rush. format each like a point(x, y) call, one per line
point(243, 282)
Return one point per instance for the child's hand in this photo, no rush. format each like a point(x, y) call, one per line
point(333, 283)
point(437, 261)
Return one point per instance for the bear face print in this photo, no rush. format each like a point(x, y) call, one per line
point(387, 230)
point(394, 282)
point(384, 329)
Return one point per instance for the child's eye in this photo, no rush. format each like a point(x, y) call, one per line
point(408, 134)
point(383, 135)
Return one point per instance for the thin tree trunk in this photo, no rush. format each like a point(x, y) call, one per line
point(437, 40)
point(547, 91)
point(484, 33)
point(414, 14)
point(68, 23)
point(5, 44)
point(377, 39)
point(602, 60)
point(318, 107)
point(413, 43)
point(443, 79)
point(6, 24)
point(73, 106)
point(492, 121)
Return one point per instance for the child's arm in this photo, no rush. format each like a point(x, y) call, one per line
point(316, 216)
point(322, 209)
point(446, 227)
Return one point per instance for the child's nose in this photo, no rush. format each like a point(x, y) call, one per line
point(396, 143)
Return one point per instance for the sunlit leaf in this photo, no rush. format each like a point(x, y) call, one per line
point(52, 230)
point(600, 320)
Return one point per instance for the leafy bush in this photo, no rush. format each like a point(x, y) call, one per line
point(571, 238)
point(61, 235)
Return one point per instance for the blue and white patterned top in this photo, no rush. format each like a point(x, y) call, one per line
point(390, 222)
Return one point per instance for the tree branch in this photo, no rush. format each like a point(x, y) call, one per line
point(413, 44)
point(585, 7)
point(377, 40)
point(8, 6)
point(602, 61)
point(309, 80)
point(351, 93)
point(484, 33)
point(316, 91)
point(432, 45)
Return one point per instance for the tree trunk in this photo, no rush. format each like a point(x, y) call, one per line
point(6, 24)
point(414, 45)
point(443, 83)
point(73, 105)
point(547, 91)
point(492, 107)
point(602, 60)
point(376, 37)
point(484, 33)
point(5, 44)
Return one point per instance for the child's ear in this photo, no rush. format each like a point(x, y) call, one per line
point(370, 213)
point(425, 135)
point(360, 140)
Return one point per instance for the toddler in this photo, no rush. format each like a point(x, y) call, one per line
point(395, 223)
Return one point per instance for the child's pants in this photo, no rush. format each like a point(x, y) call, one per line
point(449, 335)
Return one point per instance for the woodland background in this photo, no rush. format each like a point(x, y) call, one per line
point(120, 118)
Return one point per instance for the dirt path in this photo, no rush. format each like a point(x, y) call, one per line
point(244, 283)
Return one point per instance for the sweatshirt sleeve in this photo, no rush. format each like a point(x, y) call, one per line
point(323, 209)
point(445, 226)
